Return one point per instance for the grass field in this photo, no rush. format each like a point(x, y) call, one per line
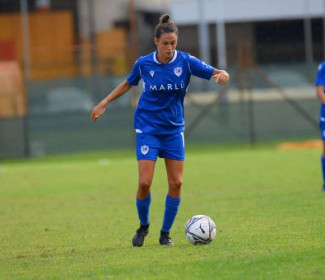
point(73, 217)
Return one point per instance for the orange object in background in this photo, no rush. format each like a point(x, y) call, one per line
point(12, 91)
point(51, 43)
point(7, 50)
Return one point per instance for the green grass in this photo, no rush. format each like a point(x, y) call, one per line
point(73, 217)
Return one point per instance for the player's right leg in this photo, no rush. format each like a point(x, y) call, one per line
point(143, 200)
point(147, 152)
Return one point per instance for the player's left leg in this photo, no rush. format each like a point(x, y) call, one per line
point(175, 170)
point(173, 150)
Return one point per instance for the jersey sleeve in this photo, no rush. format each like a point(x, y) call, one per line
point(320, 78)
point(199, 68)
point(135, 75)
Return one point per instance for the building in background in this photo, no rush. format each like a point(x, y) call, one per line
point(71, 53)
point(278, 31)
point(76, 37)
point(87, 37)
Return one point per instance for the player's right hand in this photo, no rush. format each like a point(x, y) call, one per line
point(97, 111)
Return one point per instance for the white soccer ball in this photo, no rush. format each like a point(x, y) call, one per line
point(200, 229)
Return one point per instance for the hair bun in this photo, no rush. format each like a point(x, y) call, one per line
point(165, 25)
point(164, 18)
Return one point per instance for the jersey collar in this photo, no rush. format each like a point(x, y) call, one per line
point(171, 61)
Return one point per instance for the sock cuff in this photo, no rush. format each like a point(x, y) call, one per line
point(322, 158)
point(172, 201)
point(144, 202)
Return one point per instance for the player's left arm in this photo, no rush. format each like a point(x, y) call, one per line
point(221, 77)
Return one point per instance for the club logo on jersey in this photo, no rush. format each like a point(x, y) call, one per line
point(178, 71)
point(206, 65)
point(144, 149)
point(152, 73)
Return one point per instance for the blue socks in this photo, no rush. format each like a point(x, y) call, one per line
point(143, 206)
point(323, 168)
point(171, 209)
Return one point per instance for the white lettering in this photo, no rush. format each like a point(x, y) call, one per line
point(153, 87)
point(167, 87)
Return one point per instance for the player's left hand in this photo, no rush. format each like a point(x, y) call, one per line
point(221, 78)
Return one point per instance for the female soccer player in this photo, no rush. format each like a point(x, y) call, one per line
point(159, 119)
point(320, 89)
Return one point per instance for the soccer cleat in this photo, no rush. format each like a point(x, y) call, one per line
point(323, 189)
point(139, 236)
point(165, 239)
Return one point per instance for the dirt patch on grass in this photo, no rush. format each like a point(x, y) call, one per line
point(311, 144)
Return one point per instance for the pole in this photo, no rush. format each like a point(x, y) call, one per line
point(134, 32)
point(134, 47)
point(323, 29)
point(308, 35)
point(26, 68)
point(221, 36)
point(221, 43)
point(25, 38)
point(251, 110)
point(203, 33)
point(92, 37)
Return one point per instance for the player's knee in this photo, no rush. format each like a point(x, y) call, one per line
point(176, 184)
point(144, 186)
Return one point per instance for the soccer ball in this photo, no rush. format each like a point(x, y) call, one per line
point(200, 229)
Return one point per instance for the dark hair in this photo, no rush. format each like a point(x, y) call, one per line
point(165, 25)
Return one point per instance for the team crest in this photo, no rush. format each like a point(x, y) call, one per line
point(178, 71)
point(144, 149)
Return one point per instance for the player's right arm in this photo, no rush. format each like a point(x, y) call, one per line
point(320, 93)
point(100, 108)
point(131, 80)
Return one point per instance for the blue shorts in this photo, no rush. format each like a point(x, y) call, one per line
point(165, 146)
point(322, 130)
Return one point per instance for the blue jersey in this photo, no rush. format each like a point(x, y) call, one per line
point(160, 109)
point(320, 81)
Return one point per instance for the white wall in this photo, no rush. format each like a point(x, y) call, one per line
point(185, 11)
point(106, 12)
point(109, 11)
point(152, 5)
